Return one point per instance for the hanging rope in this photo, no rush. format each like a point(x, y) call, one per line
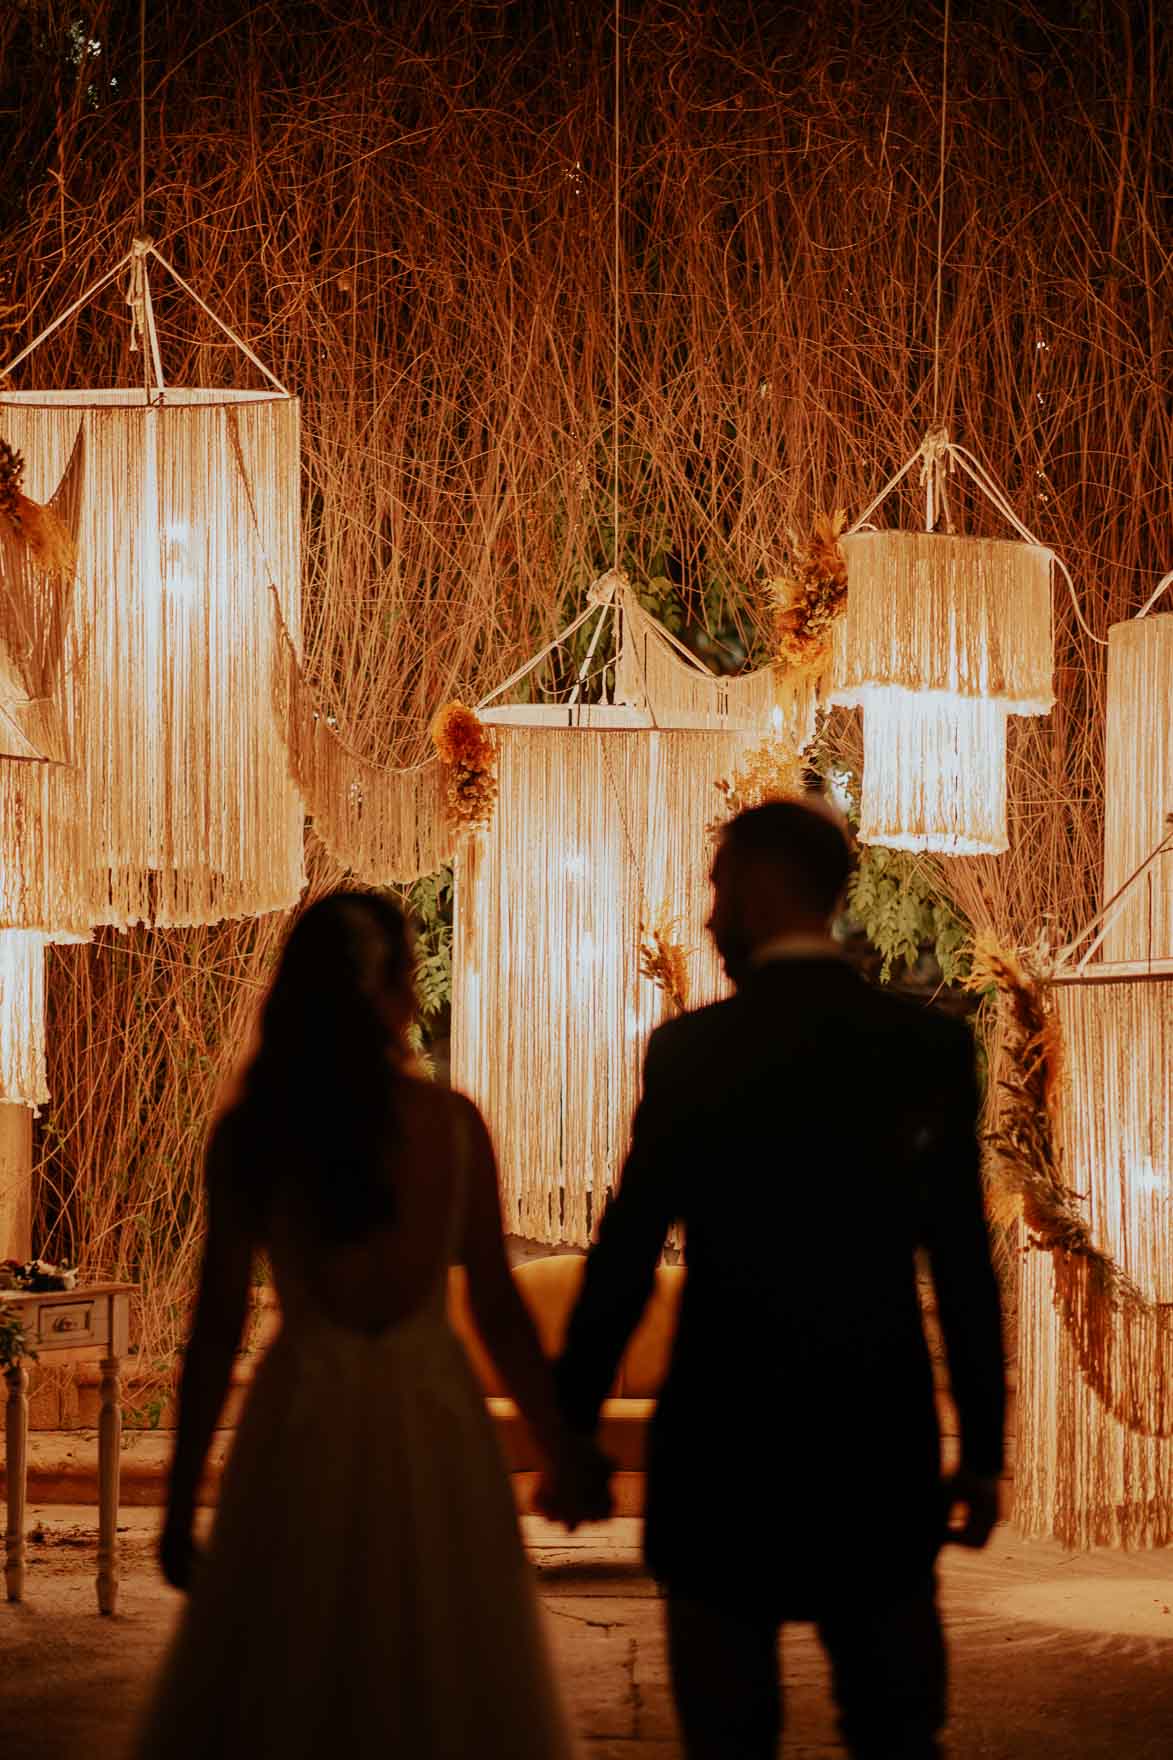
point(941, 224)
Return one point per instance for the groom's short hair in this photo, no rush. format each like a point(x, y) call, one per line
point(805, 840)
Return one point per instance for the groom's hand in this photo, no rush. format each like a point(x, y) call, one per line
point(577, 1487)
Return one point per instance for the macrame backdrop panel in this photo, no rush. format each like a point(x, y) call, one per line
point(971, 616)
point(651, 673)
point(1081, 1475)
point(597, 831)
point(934, 772)
point(1138, 787)
point(181, 804)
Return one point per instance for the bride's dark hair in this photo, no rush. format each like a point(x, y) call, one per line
point(316, 1104)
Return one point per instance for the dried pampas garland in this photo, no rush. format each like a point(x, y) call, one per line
point(465, 747)
point(772, 771)
point(48, 541)
point(811, 596)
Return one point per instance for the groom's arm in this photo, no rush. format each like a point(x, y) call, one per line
point(621, 1266)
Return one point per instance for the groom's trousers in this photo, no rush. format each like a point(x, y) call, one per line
point(887, 1672)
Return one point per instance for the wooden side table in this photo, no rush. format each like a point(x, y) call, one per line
point(83, 1325)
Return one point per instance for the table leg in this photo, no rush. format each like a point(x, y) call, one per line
point(16, 1429)
point(109, 1468)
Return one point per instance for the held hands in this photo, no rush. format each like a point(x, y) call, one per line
point(576, 1487)
point(971, 1508)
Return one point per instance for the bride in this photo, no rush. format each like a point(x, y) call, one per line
point(364, 1591)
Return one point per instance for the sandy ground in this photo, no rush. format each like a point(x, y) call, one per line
point(1053, 1655)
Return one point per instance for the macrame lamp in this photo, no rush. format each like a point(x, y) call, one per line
point(943, 638)
point(1095, 1429)
point(1138, 789)
point(599, 834)
point(179, 806)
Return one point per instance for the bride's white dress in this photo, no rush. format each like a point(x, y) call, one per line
point(365, 1591)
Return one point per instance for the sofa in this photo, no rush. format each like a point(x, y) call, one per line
point(549, 1288)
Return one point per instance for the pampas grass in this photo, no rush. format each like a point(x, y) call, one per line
point(409, 216)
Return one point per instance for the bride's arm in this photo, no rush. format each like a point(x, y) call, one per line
point(221, 1304)
point(502, 1318)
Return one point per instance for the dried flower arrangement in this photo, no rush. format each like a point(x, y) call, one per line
point(466, 748)
point(811, 596)
point(39, 527)
point(665, 961)
point(36, 1274)
point(772, 771)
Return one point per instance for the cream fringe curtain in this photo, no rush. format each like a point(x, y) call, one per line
point(965, 624)
point(656, 673)
point(387, 827)
point(599, 828)
point(1138, 787)
point(1094, 1455)
point(179, 803)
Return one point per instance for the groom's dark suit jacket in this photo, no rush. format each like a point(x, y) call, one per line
point(810, 1133)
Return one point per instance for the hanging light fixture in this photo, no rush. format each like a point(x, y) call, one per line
point(599, 827)
point(943, 638)
point(1091, 1473)
point(1138, 789)
point(179, 807)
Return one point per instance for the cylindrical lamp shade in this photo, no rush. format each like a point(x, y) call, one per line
point(1081, 1476)
point(180, 808)
point(599, 829)
point(1138, 787)
point(968, 616)
point(22, 1019)
point(934, 773)
point(942, 638)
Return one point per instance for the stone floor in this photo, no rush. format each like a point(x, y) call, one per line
point(1054, 1655)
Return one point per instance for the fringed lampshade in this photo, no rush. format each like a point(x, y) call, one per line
point(22, 1016)
point(599, 830)
point(943, 637)
point(179, 808)
point(1095, 1392)
point(1138, 788)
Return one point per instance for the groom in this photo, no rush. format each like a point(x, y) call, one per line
point(811, 1134)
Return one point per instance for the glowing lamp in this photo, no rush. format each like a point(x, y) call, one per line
point(178, 808)
point(942, 639)
point(599, 829)
point(1138, 788)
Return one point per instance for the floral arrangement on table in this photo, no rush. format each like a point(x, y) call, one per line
point(809, 598)
point(37, 1275)
point(39, 527)
point(465, 747)
point(664, 960)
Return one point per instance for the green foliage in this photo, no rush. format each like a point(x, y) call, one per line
point(892, 898)
point(14, 1342)
point(430, 903)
